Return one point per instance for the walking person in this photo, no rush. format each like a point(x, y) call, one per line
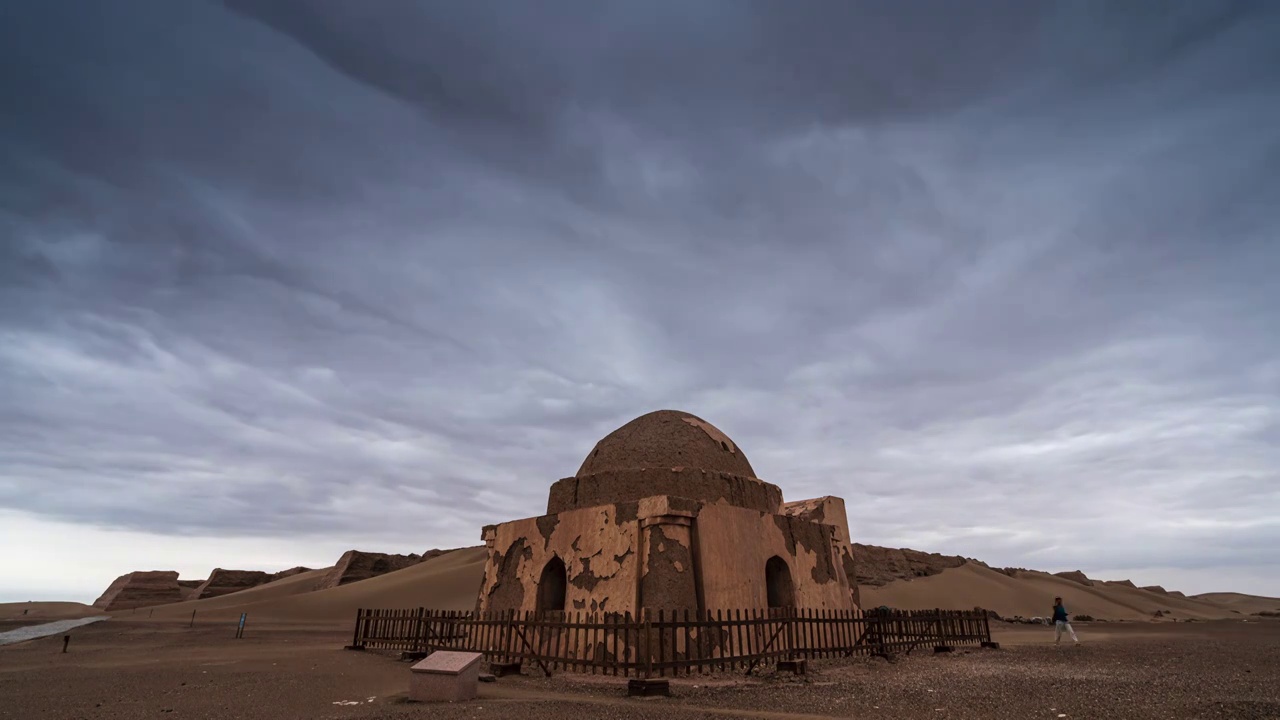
point(1062, 622)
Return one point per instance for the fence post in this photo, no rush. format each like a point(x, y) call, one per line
point(789, 617)
point(419, 632)
point(355, 634)
point(508, 636)
point(942, 633)
point(648, 645)
point(890, 627)
point(987, 642)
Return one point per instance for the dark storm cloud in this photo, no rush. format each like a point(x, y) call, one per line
point(1003, 278)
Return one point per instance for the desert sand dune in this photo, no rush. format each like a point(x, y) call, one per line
point(46, 610)
point(447, 582)
point(293, 585)
point(451, 581)
point(1031, 594)
point(1144, 602)
point(1245, 604)
point(1180, 608)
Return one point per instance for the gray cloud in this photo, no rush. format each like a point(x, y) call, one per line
point(1003, 279)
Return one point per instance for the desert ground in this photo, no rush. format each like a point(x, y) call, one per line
point(17, 615)
point(1203, 657)
point(141, 668)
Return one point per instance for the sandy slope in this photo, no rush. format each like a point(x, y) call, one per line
point(287, 587)
point(1031, 594)
point(1246, 604)
point(46, 610)
point(448, 582)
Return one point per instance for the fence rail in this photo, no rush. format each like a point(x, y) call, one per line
point(666, 643)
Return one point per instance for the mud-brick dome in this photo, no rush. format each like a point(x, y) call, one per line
point(667, 439)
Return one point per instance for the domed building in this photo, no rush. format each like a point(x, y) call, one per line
point(666, 513)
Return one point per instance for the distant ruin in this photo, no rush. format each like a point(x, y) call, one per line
point(190, 588)
point(141, 589)
point(160, 587)
point(224, 582)
point(1075, 576)
point(666, 513)
point(355, 566)
point(879, 566)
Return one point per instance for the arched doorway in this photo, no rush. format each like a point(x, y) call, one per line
point(777, 581)
point(552, 586)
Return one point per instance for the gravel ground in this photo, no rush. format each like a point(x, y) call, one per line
point(118, 670)
point(1217, 670)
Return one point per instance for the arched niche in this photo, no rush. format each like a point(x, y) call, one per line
point(777, 581)
point(552, 586)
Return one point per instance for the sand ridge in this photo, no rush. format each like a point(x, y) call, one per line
point(450, 581)
point(1245, 604)
point(1031, 593)
point(39, 611)
point(446, 582)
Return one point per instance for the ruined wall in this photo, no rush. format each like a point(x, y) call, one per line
point(290, 572)
point(735, 543)
point(598, 546)
point(829, 510)
point(635, 484)
point(190, 588)
point(141, 589)
point(355, 566)
point(434, 553)
point(224, 582)
point(881, 565)
point(1075, 576)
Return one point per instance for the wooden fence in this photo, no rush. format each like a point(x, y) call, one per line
point(666, 644)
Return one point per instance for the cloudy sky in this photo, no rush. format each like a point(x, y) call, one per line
point(279, 279)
